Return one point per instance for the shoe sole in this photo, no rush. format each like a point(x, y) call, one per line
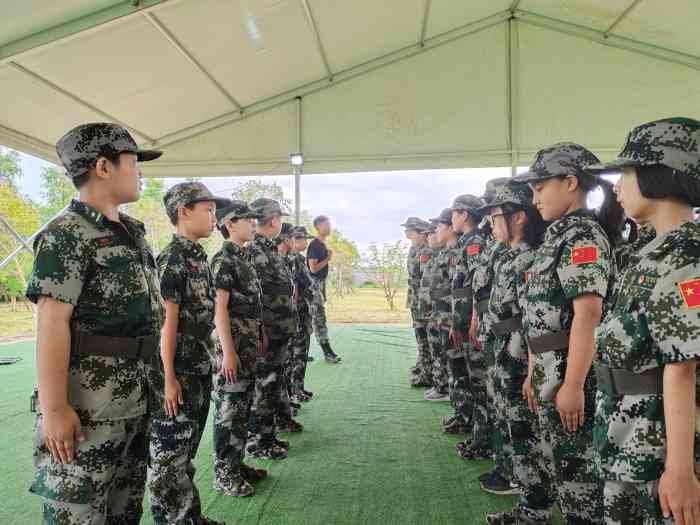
point(231, 494)
point(508, 492)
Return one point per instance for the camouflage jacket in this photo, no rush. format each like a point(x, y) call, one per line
point(470, 246)
point(428, 267)
point(481, 286)
point(441, 287)
point(625, 250)
point(187, 280)
point(510, 274)
point(575, 259)
point(108, 273)
point(655, 321)
point(279, 311)
point(304, 292)
point(413, 273)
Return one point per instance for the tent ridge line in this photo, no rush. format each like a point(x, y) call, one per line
point(43, 149)
point(48, 83)
point(615, 41)
point(620, 18)
point(424, 23)
point(86, 24)
point(317, 35)
point(347, 74)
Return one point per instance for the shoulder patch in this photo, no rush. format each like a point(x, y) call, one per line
point(473, 249)
point(103, 242)
point(424, 258)
point(690, 291)
point(584, 255)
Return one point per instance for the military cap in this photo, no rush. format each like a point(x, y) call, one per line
point(300, 232)
point(80, 148)
point(187, 193)
point(469, 203)
point(267, 207)
point(286, 231)
point(509, 192)
point(491, 186)
point(445, 217)
point(416, 224)
point(234, 210)
point(671, 142)
point(559, 160)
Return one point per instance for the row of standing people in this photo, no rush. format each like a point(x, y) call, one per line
point(566, 338)
point(132, 349)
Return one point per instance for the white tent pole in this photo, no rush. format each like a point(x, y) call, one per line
point(512, 60)
point(319, 43)
point(298, 169)
point(620, 18)
point(424, 25)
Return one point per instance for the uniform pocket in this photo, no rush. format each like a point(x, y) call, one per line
point(64, 483)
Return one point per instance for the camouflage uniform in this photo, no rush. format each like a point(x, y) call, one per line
point(107, 272)
point(302, 340)
point(280, 325)
point(235, 273)
point(654, 322)
point(511, 272)
point(574, 260)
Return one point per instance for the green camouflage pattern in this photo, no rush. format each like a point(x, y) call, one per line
point(302, 340)
point(509, 193)
point(558, 160)
point(470, 203)
point(187, 280)
point(234, 210)
point(413, 273)
point(470, 246)
point(80, 148)
point(632, 503)
point(555, 281)
point(672, 142)
point(266, 208)
point(187, 193)
point(625, 250)
point(416, 224)
point(650, 325)
point(279, 312)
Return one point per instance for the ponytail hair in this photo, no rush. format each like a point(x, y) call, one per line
point(536, 226)
point(610, 215)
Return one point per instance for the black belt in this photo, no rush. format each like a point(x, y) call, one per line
point(194, 329)
point(441, 307)
point(482, 306)
point(620, 382)
point(439, 293)
point(549, 342)
point(277, 289)
point(246, 310)
point(107, 346)
point(508, 326)
point(462, 293)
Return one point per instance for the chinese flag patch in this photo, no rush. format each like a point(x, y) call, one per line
point(424, 258)
point(690, 290)
point(473, 249)
point(104, 242)
point(526, 276)
point(584, 254)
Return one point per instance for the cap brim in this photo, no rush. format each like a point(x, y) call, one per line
point(220, 203)
point(144, 155)
point(607, 167)
point(529, 176)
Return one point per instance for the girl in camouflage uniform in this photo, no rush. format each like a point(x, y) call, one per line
point(647, 422)
point(570, 278)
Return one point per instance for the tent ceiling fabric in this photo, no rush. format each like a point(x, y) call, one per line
point(232, 87)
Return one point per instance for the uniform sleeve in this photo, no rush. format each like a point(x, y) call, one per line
point(673, 315)
point(224, 273)
point(585, 267)
point(61, 262)
point(172, 278)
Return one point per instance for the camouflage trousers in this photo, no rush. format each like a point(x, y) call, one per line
point(529, 468)
point(269, 394)
point(569, 458)
point(424, 362)
point(500, 437)
point(318, 311)
point(439, 338)
point(300, 352)
point(232, 406)
point(105, 482)
point(173, 445)
point(633, 503)
point(460, 391)
point(481, 417)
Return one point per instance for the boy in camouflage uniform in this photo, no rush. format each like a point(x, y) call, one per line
point(647, 423)
point(569, 280)
point(415, 229)
point(100, 312)
point(279, 326)
point(239, 326)
point(181, 385)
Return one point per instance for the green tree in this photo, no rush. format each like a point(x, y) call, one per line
point(388, 263)
point(57, 191)
point(149, 209)
point(254, 189)
point(10, 167)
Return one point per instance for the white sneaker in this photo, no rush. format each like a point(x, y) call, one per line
point(436, 396)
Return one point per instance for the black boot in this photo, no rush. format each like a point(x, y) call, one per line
point(329, 354)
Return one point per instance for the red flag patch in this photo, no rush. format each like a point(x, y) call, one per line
point(104, 241)
point(690, 291)
point(451, 260)
point(584, 255)
point(473, 249)
point(424, 258)
point(526, 276)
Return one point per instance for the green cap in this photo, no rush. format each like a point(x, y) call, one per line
point(509, 192)
point(234, 210)
point(300, 232)
point(268, 207)
point(445, 217)
point(468, 203)
point(187, 193)
point(416, 224)
point(559, 160)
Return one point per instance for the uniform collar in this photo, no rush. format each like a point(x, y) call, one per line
point(233, 249)
point(264, 241)
point(95, 217)
point(192, 249)
point(660, 246)
point(568, 220)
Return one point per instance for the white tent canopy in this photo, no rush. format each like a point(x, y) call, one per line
point(229, 87)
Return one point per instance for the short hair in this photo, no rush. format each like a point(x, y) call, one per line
point(223, 231)
point(81, 180)
point(173, 217)
point(661, 182)
point(320, 219)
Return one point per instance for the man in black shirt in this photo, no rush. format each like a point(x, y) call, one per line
point(319, 256)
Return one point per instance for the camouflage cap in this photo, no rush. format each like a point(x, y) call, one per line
point(469, 203)
point(267, 207)
point(509, 192)
point(415, 224)
point(559, 160)
point(234, 210)
point(286, 232)
point(672, 142)
point(491, 186)
point(188, 193)
point(300, 232)
point(80, 148)
point(445, 217)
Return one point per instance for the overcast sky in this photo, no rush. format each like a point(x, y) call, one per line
point(366, 207)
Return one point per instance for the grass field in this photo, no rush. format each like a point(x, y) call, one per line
point(15, 324)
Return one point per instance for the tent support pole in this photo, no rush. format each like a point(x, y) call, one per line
point(298, 169)
point(512, 56)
